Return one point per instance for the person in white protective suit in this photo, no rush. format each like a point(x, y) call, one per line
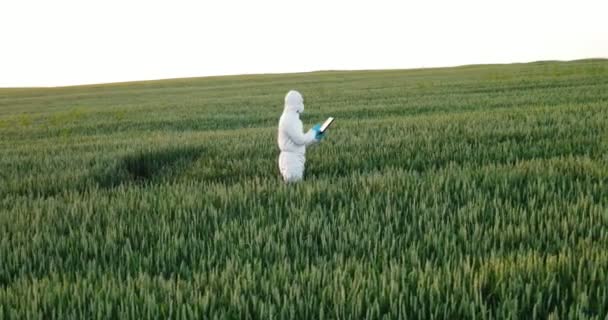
point(292, 140)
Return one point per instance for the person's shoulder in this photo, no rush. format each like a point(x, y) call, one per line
point(288, 116)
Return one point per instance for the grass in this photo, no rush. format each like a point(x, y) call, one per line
point(476, 191)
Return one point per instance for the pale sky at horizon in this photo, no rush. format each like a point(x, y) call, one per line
point(65, 42)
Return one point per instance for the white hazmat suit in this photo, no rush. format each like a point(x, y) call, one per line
point(292, 140)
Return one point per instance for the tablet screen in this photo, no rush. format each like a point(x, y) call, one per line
point(326, 124)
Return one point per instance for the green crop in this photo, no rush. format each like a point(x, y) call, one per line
point(457, 193)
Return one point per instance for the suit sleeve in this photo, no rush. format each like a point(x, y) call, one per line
point(299, 138)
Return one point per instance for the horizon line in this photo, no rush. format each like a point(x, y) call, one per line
point(139, 81)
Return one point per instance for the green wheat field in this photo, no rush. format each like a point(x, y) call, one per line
point(469, 192)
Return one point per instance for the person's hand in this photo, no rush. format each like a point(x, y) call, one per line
point(319, 135)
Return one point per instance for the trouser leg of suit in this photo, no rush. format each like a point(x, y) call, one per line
point(291, 166)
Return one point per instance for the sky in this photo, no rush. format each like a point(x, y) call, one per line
point(64, 42)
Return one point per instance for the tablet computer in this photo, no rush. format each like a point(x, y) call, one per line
point(326, 124)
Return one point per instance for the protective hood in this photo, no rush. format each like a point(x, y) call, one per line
point(294, 102)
